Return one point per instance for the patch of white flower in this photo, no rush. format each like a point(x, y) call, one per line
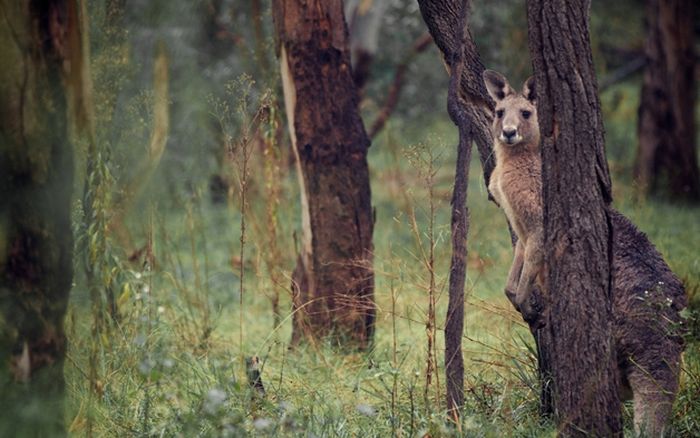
point(262, 423)
point(213, 401)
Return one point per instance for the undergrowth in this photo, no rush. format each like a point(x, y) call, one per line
point(170, 364)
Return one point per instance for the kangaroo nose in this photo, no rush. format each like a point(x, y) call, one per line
point(509, 133)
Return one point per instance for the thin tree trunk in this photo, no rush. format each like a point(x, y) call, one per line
point(667, 159)
point(469, 109)
point(334, 280)
point(576, 190)
point(36, 162)
point(454, 323)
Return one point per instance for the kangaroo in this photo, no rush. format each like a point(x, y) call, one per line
point(647, 296)
point(516, 184)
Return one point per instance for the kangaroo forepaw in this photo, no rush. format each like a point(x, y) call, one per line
point(534, 319)
point(531, 309)
point(533, 313)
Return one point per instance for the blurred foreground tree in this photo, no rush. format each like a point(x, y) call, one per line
point(576, 193)
point(333, 283)
point(667, 149)
point(41, 52)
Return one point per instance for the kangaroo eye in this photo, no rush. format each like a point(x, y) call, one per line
point(526, 114)
point(499, 113)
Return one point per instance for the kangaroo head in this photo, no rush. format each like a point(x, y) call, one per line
point(515, 118)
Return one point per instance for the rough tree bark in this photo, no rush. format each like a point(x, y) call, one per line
point(333, 283)
point(454, 322)
point(41, 52)
point(666, 158)
point(576, 190)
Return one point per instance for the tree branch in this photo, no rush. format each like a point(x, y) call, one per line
point(392, 98)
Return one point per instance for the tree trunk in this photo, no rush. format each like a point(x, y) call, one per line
point(334, 280)
point(454, 322)
point(576, 191)
point(37, 39)
point(667, 159)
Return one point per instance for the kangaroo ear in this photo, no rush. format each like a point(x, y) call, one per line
point(529, 89)
point(496, 85)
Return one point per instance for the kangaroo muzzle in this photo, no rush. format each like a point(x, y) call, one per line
point(510, 135)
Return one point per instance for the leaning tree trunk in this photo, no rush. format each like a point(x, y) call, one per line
point(667, 159)
point(333, 283)
point(37, 39)
point(577, 232)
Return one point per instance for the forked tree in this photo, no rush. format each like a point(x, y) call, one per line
point(333, 282)
point(577, 230)
point(41, 55)
point(667, 158)
point(470, 108)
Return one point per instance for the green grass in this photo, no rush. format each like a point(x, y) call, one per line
point(173, 365)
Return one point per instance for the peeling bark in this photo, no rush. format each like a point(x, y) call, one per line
point(333, 283)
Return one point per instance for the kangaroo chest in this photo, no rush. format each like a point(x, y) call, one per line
point(500, 195)
point(516, 187)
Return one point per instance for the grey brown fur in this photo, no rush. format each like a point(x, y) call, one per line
point(648, 297)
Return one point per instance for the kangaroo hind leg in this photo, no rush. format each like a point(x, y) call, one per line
point(653, 397)
point(533, 260)
point(514, 275)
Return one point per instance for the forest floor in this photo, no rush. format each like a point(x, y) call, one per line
point(174, 364)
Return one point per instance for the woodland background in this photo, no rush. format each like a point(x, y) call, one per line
point(187, 225)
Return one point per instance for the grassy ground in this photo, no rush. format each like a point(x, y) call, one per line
point(174, 365)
